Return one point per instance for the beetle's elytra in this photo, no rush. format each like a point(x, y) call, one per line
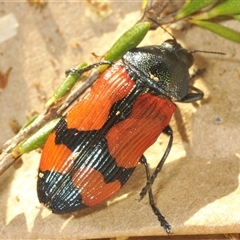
point(94, 149)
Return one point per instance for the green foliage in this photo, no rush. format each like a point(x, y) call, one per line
point(207, 14)
point(218, 29)
point(66, 85)
point(37, 139)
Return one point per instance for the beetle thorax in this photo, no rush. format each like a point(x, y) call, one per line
point(163, 68)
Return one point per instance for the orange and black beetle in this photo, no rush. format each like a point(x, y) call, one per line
point(94, 149)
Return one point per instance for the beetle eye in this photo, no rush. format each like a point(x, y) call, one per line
point(171, 42)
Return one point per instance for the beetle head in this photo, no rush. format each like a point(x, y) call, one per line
point(164, 67)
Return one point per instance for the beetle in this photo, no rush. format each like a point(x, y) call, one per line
point(95, 147)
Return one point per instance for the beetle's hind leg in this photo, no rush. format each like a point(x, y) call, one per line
point(161, 218)
point(168, 131)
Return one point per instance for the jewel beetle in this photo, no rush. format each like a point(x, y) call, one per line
point(94, 149)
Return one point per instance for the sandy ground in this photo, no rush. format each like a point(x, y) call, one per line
point(198, 189)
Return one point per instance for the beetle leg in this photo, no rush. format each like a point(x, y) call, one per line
point(87, 68)
point(161, 218)
point(167, 130)
point(192, 96)
point(197, 73)
point(197, 94)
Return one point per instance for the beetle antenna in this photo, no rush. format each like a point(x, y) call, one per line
point(202, 51)
point(193, 51)
point(164, 29)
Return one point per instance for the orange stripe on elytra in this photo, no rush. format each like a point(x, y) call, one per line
point(56, 158)
point(129, 139)
point(93, 109)
point(92, 186)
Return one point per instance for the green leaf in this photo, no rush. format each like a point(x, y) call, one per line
point(39, 138)
point(130, 39)
point(192, 7)
point(218, 29)
point(31, 120)
point(225, 8)
point(67, 84)
point(237, 17)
